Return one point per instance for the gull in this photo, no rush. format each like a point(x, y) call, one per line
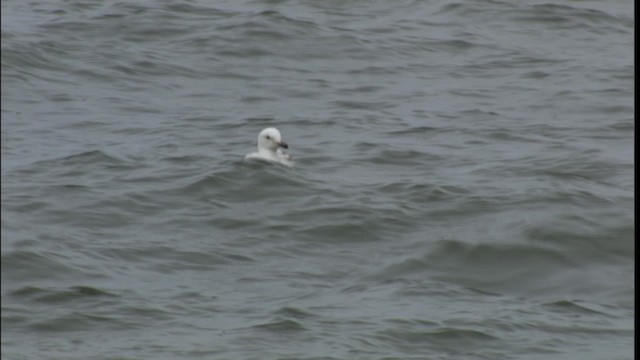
point(270, 146)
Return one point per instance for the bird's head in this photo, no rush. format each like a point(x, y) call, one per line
point(271, 139)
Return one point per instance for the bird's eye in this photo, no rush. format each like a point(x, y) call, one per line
point(268, 137)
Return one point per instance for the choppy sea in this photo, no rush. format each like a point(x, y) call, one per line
point(463, 188)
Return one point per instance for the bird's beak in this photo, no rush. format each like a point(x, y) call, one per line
point(283, 144)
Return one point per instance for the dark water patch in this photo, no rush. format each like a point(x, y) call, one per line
point(50, 296)
point(452, 46)
point(254, 181)
point(344, 212)
point(415, 130)
point(575, 308)
point(478, 113)
point(561, 16)
point(609, 110)
point(124, 207)
point(589, 244)
point(371, 70)
point(584, 164)
point(504, 135)
point(231, 222)
point(25, 205)
point(30, 266)
point(258, 99)
point(457, 8)
point(360, 89)
point(360, 105)
point(77, 164)
point(535, 75)
point(347, 224)
point(36, 60)
point(112, 21)
point(10, 320)
point(266, 35)
point(423, 323)
point(168, 259)
point(292, 312)
point(623, 125)
point(532, 269)
point(402, 158)
point(421, 193)
point(183, 159)
point(423, 288)
point(610, 331)
point(80, 322)
point(198, 11)
point(87, 217)
point(489, 68)
point(341, 232)
point(472, 93)
point(280, 326)
point(146, 313)
point(445, 339)
point(467, 205)
point(153, 67)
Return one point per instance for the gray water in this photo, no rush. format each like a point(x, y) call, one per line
point(463, 186)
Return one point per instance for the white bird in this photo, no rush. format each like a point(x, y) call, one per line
point(269, 148)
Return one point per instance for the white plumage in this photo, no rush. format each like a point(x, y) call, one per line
point(270, 144)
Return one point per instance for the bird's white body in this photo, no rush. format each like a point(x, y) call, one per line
point(269, 148)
